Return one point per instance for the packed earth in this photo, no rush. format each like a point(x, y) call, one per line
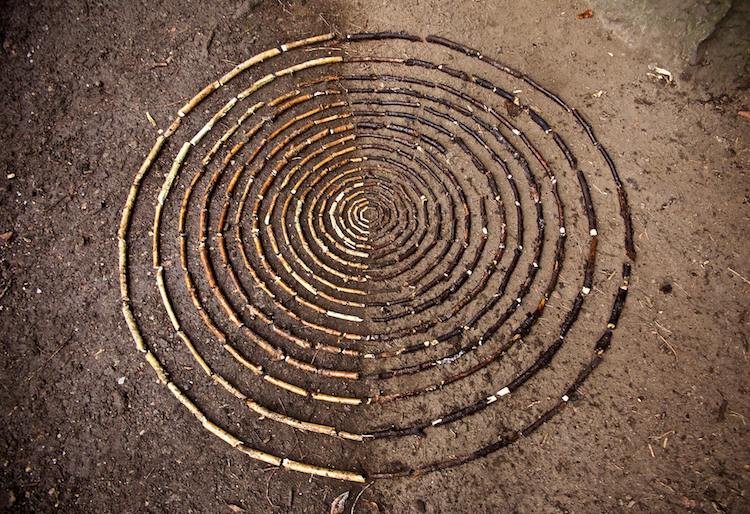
point(289, 256)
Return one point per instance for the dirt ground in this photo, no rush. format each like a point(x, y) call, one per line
point(663, 426)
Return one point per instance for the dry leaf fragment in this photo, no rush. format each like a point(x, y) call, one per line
point(513, 109)
point(744, 114)
point(661, 73)
point(588, 13)
point(6, 236)
point(338, 504)
point(370, 506)
point(689, 503)
point(235, 508)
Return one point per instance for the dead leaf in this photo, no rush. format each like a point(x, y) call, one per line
point(744, 114)
point(588, 13)
point(338, 504)
point(235, 508)
point(661, 73)
point(370, 507)
point(513, 109)
point(689, 503)
point(6, 236)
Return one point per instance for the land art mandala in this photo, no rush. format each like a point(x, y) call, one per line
point(370, 245)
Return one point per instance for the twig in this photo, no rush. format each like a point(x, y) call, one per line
point(268, 486)
point(330, 27)
point(148, 475)
point(356, 498)
point(63, 345)
point(738, 415)
point(667, 343)
point(743, 278)
point(284, 7)
point(662, 327)
point(5, 290)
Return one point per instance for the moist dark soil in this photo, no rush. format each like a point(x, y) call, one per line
point(661, 427)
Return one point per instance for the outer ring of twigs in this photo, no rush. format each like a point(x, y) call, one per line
point(334, 192)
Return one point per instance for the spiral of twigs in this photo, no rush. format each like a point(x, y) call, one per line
point(358, 228)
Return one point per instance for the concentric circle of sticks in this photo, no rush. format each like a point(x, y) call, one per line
point(342, 225)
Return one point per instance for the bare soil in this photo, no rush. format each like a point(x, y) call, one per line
point(662, 426)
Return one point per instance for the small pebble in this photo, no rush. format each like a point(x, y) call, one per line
point(121, 380)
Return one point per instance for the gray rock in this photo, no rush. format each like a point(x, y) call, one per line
point(671, 29)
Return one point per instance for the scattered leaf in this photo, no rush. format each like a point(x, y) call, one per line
point(370, 507)
point(6, 236)
point(661, 73)
point(338, 504)
point(689, 503)
point(744, 114)
point(513, 109)
point(588, 13)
